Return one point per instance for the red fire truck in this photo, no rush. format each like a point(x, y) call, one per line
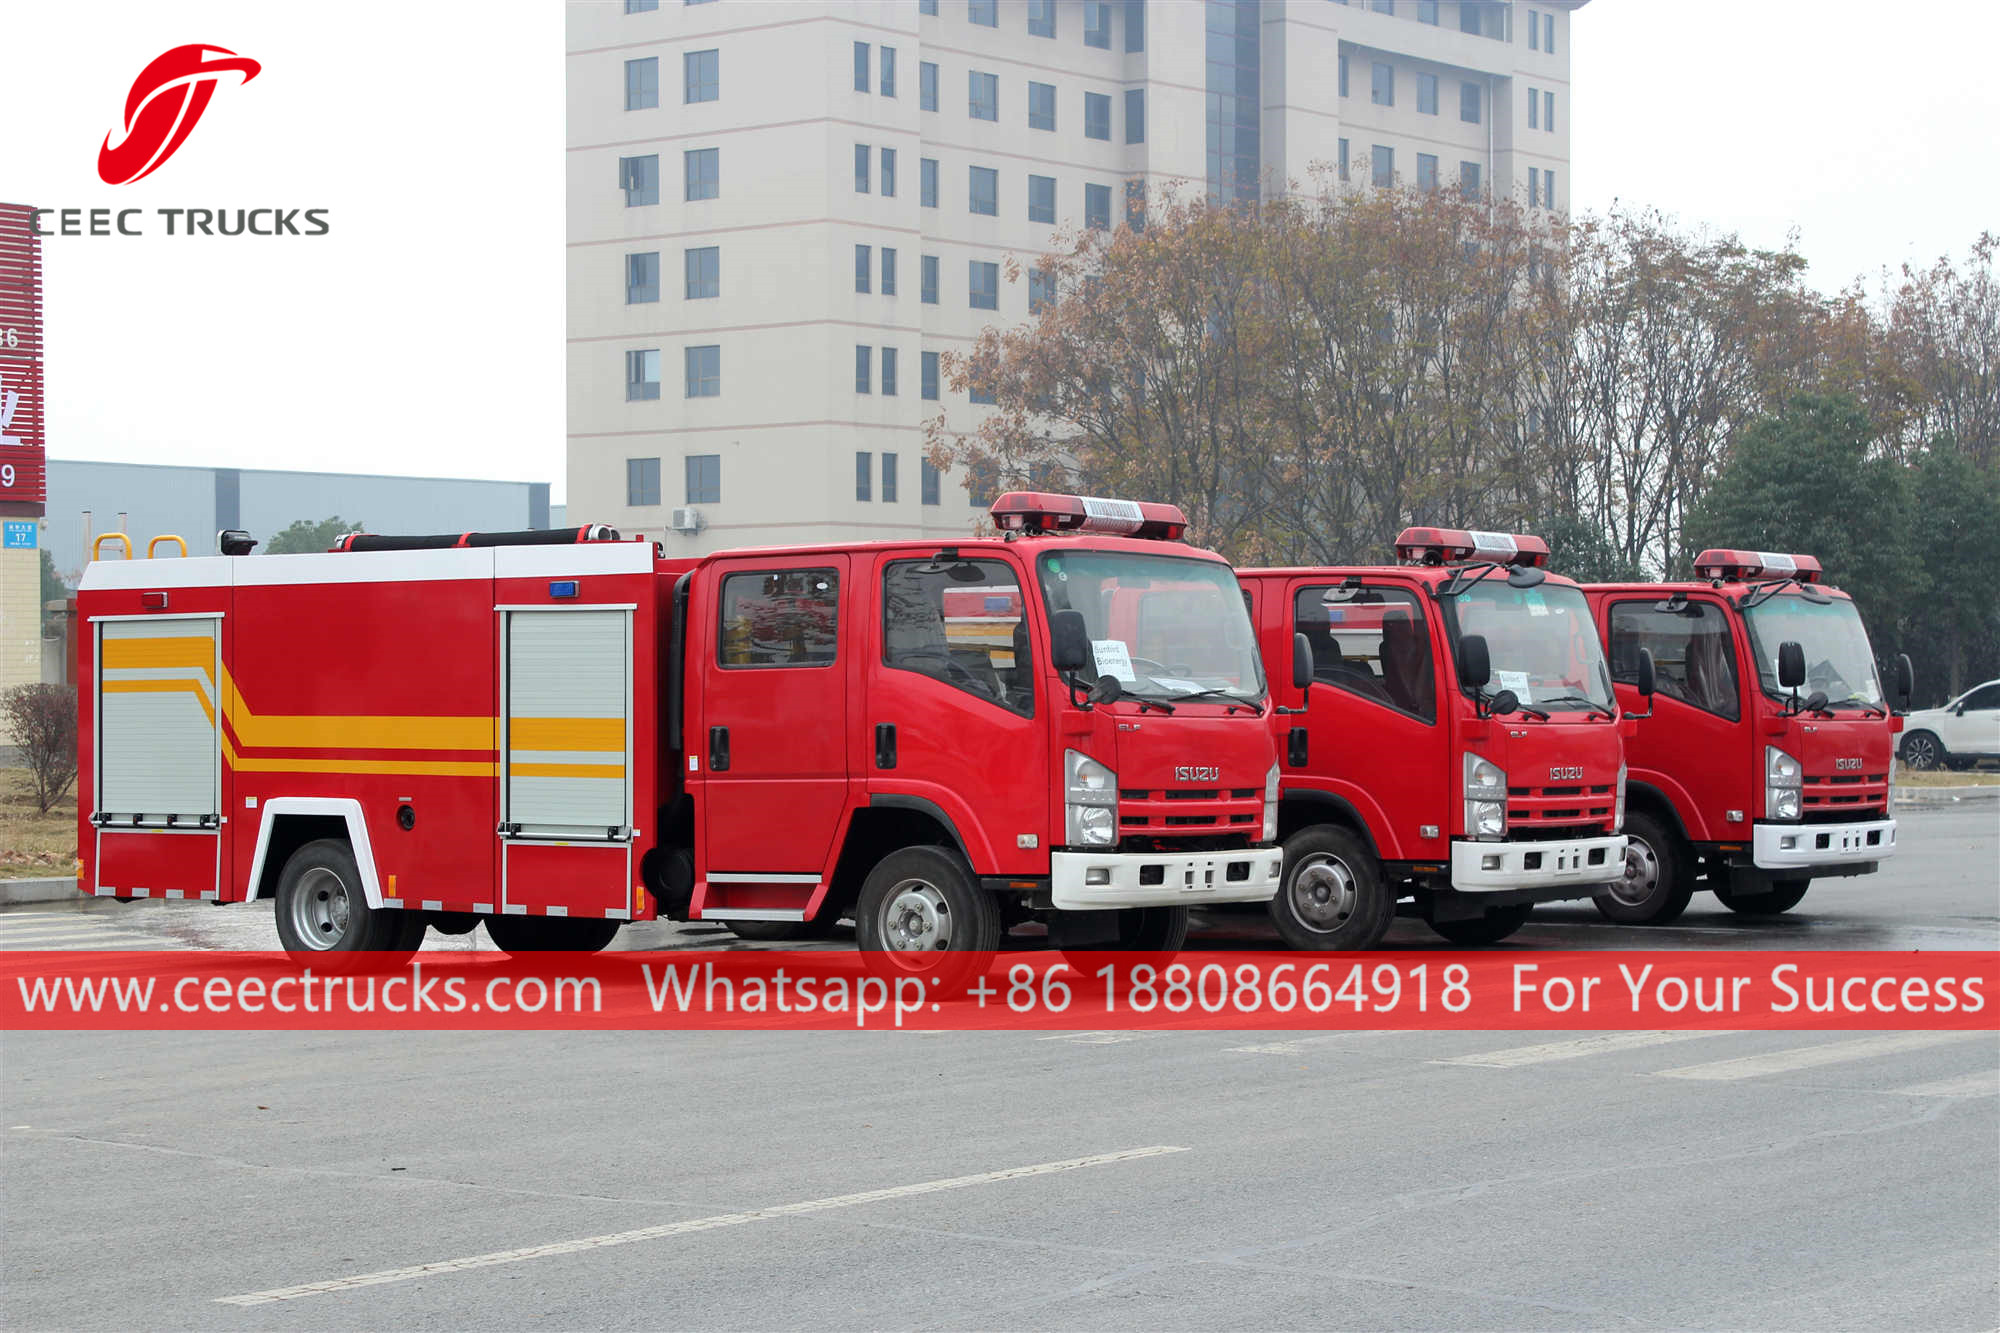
point(554, 734)
point(1740, 784)
point(1457, 745)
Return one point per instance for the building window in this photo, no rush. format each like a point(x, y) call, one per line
point(1384, 6)
point(1534, 109)
point(980, 394)
point(888, 472)
point(1468, 179)
point(641, 6)
point(888, 173)
point(1427, 11)
point(642, 277)
point(642, 482)
point(1534, 187)
point(1343, 161)
point(1534, 31)
point(984, 285)
point(1468, 103)
point(704, 372)
point(642, 83)
point(701, 76)
point(1135, 115)
point(928, 480)
point(864, 267)
point(1427, 94)
point(1135, 204)
point(1469, 18)
point(1549, 112)
point(1234, 77)
point(983, 12)
point(888, 83)
point(1383, 160)
point(1041, 18)
point(1427, 172)
point(1135, 25)
point(1097, 207)
point(704, 272)
point(985, 191)
point(864, 158)
point(1041, 106)
point(1343, 75)
point(888, 271)
point(927, 281)
point(642, 376)
point(639, 177)
point(704, 479)
point(861, 67)
point(1041, 289)
point(1097, 25)
point(888, 389)
point(927, 362)
point(1097, 116)
point(927, 86)
point(1549, 187)
point(1042, 199)
point(864, 368)
point(927, 182)
point(864, 476)
point(1549, 34)
point(703, 168)
point(1382, 86)
point(984, 95)
point(928, 8)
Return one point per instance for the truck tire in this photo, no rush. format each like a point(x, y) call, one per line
point(1152, 934)
point(818, 928)
point(1783, 897)
point(1659, 876)
point(1496, 925)
point(551, 934)
point(1922, 751)
point(921, 913)
point(1332, 894)
point(323, 910)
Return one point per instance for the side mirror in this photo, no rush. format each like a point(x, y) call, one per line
point(1906, 681)
point(1302, 661)
point(1107, 690)
point(1504, 703)
point(1791, 665)
point(1815, 702)
point(1475, 662)
point(1069, 642)
point(1648, 680)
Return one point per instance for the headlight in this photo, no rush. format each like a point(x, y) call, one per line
point(1484, 779)
point(1270, 833)
point(1485, 819)
point(1618, 806)
point(1783, 783)
point(1091, 802)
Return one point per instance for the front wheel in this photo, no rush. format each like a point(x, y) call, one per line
point(551, 934)
point(1783, 897)
point(921, 914)
point(1658, 879)
point(1154, 934)
point(323, 910)
point(1496, 925)
point(1332, 895)
point(1922, 752)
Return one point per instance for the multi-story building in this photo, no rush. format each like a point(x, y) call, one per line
point(781, 212)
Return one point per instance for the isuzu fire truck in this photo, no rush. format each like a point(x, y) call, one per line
point(555, 734)
point(1766, 761)
point(1456, 744)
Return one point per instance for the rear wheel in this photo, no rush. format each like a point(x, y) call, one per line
point(550, 934)
point(322, 909)
point(1922, 751)
point(1496, 925)
point(1332, 895)
point(922, 914)
point(1658, 879)
point(1783, 897)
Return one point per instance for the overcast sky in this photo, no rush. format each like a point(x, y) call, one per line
point(424, 335)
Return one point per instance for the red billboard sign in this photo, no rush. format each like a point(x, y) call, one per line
point(23, 466)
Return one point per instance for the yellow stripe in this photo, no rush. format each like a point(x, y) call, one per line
point(566, 770)
point(134, 654)
point(163, 687)
point(401, 767)
point(355, 732)
point(567, 733)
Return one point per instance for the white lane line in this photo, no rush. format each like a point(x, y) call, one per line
point(10, 938)
point(1108, 1038)
point(1600, 1043)
point(1811, 1057)
point(1299, 1044)
point(1972, 1085)
point(684, 1228)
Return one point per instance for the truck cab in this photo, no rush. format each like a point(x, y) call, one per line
point(1765, 761)
point(1449, 740)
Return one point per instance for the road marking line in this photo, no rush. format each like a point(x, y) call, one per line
point(1106, 1038)
point(684, 1228)
point(1306, 1043)
point(1601, 1043)
point(1972, 1085)
point(8, 937)
point(1809, 1057)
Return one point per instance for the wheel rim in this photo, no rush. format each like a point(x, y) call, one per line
point(1642, 873)
point(916, 918)
point(320, 909)
point(1920, 753)
point(1323, 894)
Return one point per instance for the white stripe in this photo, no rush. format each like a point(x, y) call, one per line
point(684, 1228)
point(1600, 1043)
point(17, 936)
point(1809, 1057)
point(1306, 1043)
point(1972, 1085)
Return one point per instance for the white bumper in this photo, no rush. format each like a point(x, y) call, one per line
point(1803, 846)
point(1095, 881)
point(1491, 867)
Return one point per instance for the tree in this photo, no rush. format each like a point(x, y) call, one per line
point(53, 587)
point(306, 536)
point(1955, 535)
point(42, 719)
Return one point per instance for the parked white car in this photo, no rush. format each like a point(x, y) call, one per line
point(1958, 735)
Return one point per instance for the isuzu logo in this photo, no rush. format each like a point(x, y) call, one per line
point(1846, 764)
point(1189, 773)
point(1565, 775)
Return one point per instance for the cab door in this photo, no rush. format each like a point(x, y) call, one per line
point(1695, 746)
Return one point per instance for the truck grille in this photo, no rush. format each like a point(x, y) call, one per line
point(1838, 798)
point(1565, 811)
point(1179, 812)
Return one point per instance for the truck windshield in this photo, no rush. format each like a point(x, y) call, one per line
point(1542, 642)
point(1838, 658)
point(1166, 626)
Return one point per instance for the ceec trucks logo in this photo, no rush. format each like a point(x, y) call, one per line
point(164, 106)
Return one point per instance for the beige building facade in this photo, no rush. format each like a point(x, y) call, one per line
point(781, 212)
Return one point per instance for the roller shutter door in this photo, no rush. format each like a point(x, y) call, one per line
point(156, 719)
point(567, 743)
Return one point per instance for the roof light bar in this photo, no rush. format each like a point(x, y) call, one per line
point(1736, 566)
point(1040, 512)
point(1449, 546)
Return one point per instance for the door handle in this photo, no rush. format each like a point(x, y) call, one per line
point(718, 749)
point(885, 745)
point(1295, 747)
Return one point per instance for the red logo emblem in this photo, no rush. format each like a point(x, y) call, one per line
point(165, 103)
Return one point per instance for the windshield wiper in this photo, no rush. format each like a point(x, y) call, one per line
point(1866, 706)
point(1233, 700)
point(1580, 699)
point(1144, 703)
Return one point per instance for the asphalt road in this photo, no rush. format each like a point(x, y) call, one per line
point(1491, 1180)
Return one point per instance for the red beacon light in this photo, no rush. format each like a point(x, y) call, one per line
point(1038, 513)
point(1738, 566)
point(1449, 546)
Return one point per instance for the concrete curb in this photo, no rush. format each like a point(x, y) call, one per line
point(1917, 796)
point(39, 891)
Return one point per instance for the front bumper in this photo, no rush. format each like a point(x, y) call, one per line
point(1805, 846)
point(1095, 881)
point(1487, 867)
